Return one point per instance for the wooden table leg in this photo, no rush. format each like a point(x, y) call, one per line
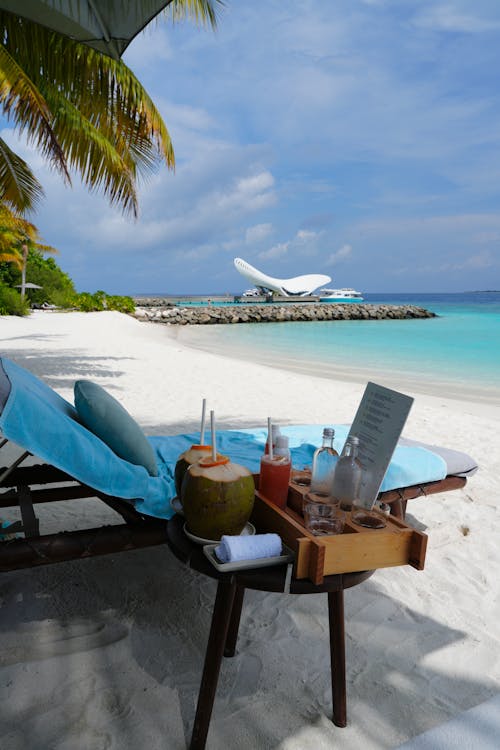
point(234, 622)
point(223, 608)
point(337, 656)
point(398, 509)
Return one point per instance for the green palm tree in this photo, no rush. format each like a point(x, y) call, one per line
point(83, 110)
point(17, 237)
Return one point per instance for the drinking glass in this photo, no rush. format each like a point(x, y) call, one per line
point(322, 516)
point(369, 518)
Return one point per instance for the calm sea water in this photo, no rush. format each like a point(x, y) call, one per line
point(456, 354)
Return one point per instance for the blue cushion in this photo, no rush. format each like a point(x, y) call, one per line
point(105, 417)
point(42, 422)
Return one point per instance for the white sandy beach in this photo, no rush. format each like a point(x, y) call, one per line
point(108, 652)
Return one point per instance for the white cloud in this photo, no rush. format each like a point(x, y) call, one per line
point(305, 235)
point(477, 262)
point(442, 224)
point(303, 244)
point(472, 263)
point(149, 49)
point(256, 184)
point(277, 251)
point(257, 233)
point(341, 254)
point(449, 17)
point(322, 118)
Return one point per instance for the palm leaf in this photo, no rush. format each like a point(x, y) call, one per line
point(22, 101)
point(10, 257)
point(18, 185)
point(84, 110)
point(46, 249)
point(106, 90)
point(201, 11)
point(101, 162)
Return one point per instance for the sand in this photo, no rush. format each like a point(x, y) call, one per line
point(107, 652)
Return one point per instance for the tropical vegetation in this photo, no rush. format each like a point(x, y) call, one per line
point(83, 110)
point(85, 113)
point(22, 258)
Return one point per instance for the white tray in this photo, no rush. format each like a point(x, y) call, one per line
point(287, 556)
point(248, 530)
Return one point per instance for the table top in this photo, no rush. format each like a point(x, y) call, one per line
point(262, 579)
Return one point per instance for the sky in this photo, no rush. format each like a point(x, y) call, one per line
point(354, 138)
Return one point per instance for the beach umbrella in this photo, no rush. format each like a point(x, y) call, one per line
point(106, 25)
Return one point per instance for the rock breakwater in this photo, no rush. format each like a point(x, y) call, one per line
point(156, 311)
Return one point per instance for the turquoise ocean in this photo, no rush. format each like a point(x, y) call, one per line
point(456, 354)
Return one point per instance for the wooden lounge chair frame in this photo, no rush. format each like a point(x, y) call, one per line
point(29, 486)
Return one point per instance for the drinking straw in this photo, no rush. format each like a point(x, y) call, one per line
point(270, 438)
point(202, 428)
point(212, 427)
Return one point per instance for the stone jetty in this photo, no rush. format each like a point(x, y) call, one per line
point(156, 310)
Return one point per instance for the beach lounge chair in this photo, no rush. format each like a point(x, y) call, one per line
point(72, 462)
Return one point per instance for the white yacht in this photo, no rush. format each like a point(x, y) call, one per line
point(339, 295)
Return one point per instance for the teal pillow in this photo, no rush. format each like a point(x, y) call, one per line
point(106, 418)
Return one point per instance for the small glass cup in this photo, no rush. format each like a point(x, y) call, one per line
point(373, 518)
point(322, 515)
point(302, 478)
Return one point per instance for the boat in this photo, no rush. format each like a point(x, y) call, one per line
point(339, 295)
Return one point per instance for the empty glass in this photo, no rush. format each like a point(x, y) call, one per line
point(370, 519)
point(320, 517)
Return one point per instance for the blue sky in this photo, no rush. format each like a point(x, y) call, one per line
point(356, 138)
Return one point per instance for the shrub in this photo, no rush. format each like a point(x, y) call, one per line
point(11, 302)
point(57, 287)
point(102, 301)
point(122, 304)
point(89, 302)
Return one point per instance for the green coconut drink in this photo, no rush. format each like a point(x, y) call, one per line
point(217, 497)
point(191, 456)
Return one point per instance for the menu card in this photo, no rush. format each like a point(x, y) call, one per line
point(378, 424)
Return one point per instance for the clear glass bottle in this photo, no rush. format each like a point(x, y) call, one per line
point(323, 466)
point(347, 476)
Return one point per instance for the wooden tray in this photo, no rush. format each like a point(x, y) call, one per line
point(358, 548)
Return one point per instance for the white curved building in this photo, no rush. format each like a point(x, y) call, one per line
point(300, 286)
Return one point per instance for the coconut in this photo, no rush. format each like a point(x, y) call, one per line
point(191, 456)
point(217, 497)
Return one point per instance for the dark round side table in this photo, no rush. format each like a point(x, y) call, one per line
point(227, 612)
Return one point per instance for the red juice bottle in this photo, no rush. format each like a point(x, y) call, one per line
point(275, 473)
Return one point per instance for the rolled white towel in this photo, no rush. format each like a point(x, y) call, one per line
point(235, 548)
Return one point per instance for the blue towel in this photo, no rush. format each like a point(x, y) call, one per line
point(42, 422)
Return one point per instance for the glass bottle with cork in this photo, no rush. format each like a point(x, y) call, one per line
point(323, 466)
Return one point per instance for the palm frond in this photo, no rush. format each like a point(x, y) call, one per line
point(111, 97)
point(18, 185)
point(17, 235)
point(22, 101)
point(84, 110)
point(9, 257)
point(46, 249)
point(200, 11)
point(101, 161)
